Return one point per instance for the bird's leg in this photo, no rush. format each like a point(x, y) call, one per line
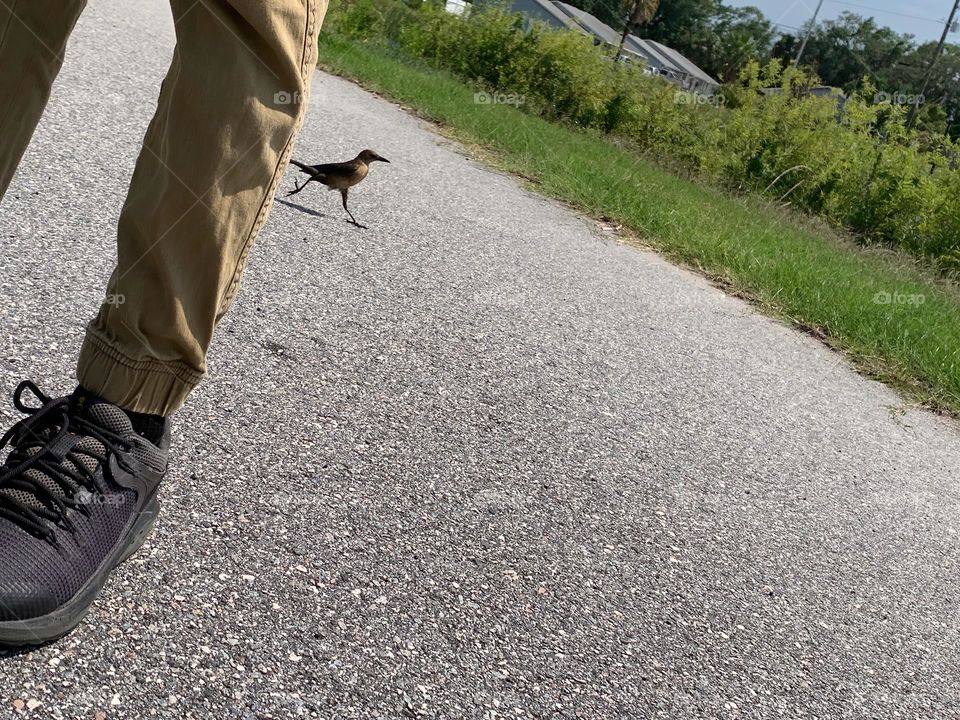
point(298, 187)
point(343, 196)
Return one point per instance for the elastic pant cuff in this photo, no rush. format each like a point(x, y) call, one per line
point(140, 385)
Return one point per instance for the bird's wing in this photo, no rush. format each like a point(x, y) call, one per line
point(341, 168)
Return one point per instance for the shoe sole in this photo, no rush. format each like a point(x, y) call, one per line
point(54, 625)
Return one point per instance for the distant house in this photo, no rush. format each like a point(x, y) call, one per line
point(661, 60)
point(820, 91)
point(673, 66)
point(816, 91)
point(658, 59)
point(590, 25)
point(544, 12)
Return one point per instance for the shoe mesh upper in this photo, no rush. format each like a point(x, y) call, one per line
point(37, 576)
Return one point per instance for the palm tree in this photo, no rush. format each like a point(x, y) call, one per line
point(641, 12)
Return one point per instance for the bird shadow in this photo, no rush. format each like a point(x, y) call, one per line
point(301, 208)
point(315, 213)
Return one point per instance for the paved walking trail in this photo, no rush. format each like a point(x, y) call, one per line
point(477, 461)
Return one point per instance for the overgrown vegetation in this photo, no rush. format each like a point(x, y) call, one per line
point(722, 36)
point(853, 163)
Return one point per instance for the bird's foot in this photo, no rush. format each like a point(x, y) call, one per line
point(354, 222)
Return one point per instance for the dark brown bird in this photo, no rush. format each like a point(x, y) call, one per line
point(339, 176)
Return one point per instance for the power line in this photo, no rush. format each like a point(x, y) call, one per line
point(887, 12)
point(617, 12)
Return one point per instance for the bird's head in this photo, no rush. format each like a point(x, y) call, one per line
point(369, 156)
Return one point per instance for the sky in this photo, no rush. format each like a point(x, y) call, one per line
point(886, 12)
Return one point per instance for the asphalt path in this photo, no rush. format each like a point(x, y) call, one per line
point(478, 461)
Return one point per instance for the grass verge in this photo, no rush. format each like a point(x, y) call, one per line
point(898, 322)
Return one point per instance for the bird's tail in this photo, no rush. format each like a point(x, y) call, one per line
point(303, 166)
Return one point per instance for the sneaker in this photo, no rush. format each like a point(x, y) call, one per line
point(78, 496)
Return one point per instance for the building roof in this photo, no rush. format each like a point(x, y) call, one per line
point(550, 9)
point(594, 25)
point(671, 59)
point(657, 55)
point(648, 51)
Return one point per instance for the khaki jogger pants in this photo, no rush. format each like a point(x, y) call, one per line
point(203, 185)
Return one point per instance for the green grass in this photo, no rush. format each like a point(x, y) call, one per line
point(785, 264)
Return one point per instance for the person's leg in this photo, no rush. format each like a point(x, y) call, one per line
point(79, 488)
point(204, 183)
point(33, 36)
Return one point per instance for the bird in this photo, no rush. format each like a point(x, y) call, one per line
point(339, 176)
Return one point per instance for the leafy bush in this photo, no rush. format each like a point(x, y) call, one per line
point(852, 162)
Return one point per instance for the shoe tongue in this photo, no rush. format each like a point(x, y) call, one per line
point(99, 412)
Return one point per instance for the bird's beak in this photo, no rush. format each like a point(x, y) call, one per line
point(382, 159)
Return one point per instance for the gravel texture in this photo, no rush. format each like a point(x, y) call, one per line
point(478, 461)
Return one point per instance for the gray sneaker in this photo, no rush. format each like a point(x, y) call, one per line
point(78, 496)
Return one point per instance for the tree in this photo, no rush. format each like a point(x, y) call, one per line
point(785, 48)
point(685, 26)
point(739, 35)
point(612, 12)
point(906, 79)
point(846, 50)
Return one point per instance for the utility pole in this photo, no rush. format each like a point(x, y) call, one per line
point(803, 45)
point(912, 116)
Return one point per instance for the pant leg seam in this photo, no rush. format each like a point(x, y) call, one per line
point(6, 28)
point(281, 163)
